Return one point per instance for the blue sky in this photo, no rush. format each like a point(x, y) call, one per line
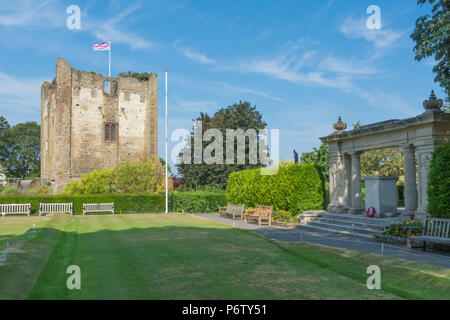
point(302, 63)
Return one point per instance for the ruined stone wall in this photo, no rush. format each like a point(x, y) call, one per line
point(75, 109)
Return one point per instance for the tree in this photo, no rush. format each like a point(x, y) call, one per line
point(22, 152)
point(162, 162)
point(240, 115)
point(381, 162)
point(432, 38)
point(439, 182)
point(318, 157)
point(4, 130)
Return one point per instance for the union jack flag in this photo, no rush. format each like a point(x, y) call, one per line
point(102, 46)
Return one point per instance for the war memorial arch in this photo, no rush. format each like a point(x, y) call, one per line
point(417, 136)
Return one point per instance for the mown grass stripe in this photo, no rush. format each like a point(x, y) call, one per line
point(52, 279)
point(19, 274)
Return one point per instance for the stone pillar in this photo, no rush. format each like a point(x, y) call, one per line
point(356, 183)
point(424, 158)
point(62, 126)
point(332, 206)
point(347, 183)
point(410, 192)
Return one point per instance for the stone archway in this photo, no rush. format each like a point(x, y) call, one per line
point(417, 136)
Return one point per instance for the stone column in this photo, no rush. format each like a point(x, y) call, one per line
point(347, 182)
point(356, 183)
point(424, 158)
point(410, 192)
point(332, 206)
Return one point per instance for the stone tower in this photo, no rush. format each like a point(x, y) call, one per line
point(93, 122)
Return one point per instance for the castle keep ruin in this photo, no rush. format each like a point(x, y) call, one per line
point(93, 122)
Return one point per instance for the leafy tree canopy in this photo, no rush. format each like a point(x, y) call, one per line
point(4, 130)
point(432, 38)
point(163, 164)
point(318, 157)
point(240, 115)
point(20, 154)
point(381, 162)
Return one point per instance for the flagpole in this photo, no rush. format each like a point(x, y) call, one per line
point(109, 73)
point(167, 189)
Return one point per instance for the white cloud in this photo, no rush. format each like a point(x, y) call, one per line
point(110, 31)
point(264, 34)
point(195, 106)
point(381, 99)
point(291, 68)
point(19, 96)
point(255, 92)
point(50, 14)
point(197, 57)
point(380, 38)
point(329, 71)
point(27, 13)
point(193, 55)
point(343, 66)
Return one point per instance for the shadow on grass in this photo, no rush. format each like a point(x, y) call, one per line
point(208, 261)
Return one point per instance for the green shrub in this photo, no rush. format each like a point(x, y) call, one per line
point(197, 201)
point(122, 202)
point(129, 177)
point(191, 202)
point(439, 182)
point(293, 186)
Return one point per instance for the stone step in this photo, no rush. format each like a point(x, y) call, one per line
point(330, 230)
point(342, 227)
point(358, 218)
point(355, 223)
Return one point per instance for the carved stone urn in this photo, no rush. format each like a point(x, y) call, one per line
point(340, 126)
point(432, 104)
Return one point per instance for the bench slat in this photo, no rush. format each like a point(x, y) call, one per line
point(98, 207)
point(55, 208)
point(435, 230)
point(13, 209)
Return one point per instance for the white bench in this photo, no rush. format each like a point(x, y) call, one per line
point(98, 207)
point(47, 208)
point(435, 230)
point(15, 209)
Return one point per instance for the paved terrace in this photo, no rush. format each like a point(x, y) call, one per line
point(336, 240)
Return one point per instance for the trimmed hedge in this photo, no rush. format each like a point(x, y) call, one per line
point(195, 202)
point(293, 186)
point(439, 182)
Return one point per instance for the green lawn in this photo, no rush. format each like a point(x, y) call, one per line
point(179, 256)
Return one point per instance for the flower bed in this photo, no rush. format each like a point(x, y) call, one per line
point(398, 229)
point(284, 218)
point(397, 233)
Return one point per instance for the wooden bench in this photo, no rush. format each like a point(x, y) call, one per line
point(15, 209)
point(233, 210)
point(435, 230)
point(48, 208)
point(261, 214)
point(98, 207)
